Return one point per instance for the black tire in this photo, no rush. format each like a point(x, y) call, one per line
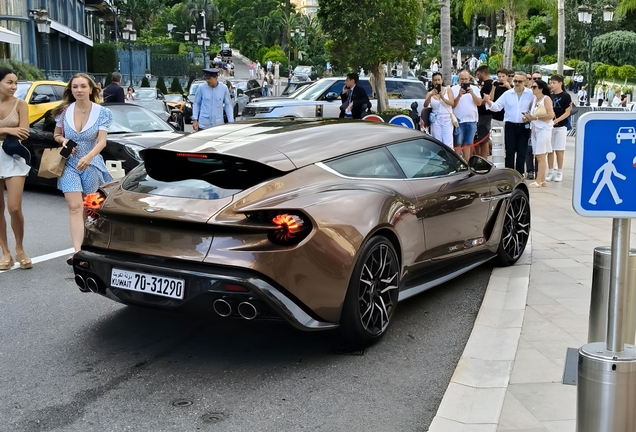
point(372, 294)
point(236, 113)
point(515, 231)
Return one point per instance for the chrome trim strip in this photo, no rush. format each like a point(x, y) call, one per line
point(336, 173)
point(428, 285)
point(497, 197)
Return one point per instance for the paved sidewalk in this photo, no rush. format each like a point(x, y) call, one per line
point(489, 392)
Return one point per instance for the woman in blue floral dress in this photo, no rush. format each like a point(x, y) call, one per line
point(81, 119)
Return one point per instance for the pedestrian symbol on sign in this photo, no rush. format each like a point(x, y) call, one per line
point(607, 169)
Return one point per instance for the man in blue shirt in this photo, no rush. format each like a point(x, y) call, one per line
point(210, 101)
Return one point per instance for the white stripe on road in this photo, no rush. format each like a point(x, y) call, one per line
point(46, 257)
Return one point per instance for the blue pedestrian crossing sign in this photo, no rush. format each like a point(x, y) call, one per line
point(605, 165)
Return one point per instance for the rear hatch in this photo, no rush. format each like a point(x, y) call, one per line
point(163, 206)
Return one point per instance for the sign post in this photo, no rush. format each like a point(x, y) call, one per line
point(605, 186)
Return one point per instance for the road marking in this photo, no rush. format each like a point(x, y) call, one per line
point(43, 258)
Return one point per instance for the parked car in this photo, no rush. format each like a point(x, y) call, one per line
point(326, 224)
point(40, 96)
point(226, 51)
point(323, 99)
point(157, 106)
point(239, 101)
point(250, 87)
point(309, 71)
point(148, 93)
point(293, 86)
point(133, 129)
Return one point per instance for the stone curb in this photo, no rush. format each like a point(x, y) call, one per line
point(475, 396)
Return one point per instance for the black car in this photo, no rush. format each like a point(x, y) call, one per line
point(250, 87)
point(226, 51)
point(134, 128)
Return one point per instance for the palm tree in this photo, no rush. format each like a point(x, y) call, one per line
point(445, 39)
point(190, 10)
point(561, 37)
point(512, 10)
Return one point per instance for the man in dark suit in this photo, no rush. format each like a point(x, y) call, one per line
point(113, 91)
point(354, 98)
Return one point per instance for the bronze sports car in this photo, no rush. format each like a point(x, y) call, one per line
point(323, 223)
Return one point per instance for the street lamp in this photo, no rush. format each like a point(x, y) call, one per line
point(43, 22)
point(585, 17)
point(483, 31)
point(429, 39)
point(540, 39)
point(129, 34)
point(202, 43)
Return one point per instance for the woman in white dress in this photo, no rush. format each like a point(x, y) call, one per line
point(14, 120)
point(540, 118)
point(441, 100)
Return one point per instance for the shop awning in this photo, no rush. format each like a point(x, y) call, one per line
point(9, 37)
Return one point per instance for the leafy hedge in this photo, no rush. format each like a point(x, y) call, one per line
point(104, 58)
point(169, 64)
point(22, 70)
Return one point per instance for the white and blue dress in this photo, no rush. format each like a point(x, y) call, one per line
point(87, 181)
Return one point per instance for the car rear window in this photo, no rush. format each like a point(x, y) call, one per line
point(196, 175)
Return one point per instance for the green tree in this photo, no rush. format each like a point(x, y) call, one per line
point(161, 85)
point(145, 82)
point(615, 48)
point(368, 36)
point(626, 72)
point(175, 86)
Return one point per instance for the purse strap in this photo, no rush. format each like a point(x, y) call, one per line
point(63, 117)
point(444, 104)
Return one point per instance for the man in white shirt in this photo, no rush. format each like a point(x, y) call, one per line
point(600, 94)
point(467, 99)
point(515, 102)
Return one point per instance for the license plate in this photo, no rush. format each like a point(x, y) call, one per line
point(147, 283)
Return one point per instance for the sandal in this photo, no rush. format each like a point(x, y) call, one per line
point(534, 185)
point(7, 262)
point(24, 260)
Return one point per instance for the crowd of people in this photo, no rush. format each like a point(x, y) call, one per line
point(532, 114)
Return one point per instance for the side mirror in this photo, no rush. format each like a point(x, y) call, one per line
point(479, 165)
point(38, 99)
point(331, 96)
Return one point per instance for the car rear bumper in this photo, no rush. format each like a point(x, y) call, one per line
point(204, 284)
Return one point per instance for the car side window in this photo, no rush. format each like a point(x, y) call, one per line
point(43, 90)
point(59, 91)
point(336, 87)
point(413, 90)
point(375, 163)
point(421, 158)
point(393, 90)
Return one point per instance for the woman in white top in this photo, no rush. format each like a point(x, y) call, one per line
point(441, 99)
point(540, 118)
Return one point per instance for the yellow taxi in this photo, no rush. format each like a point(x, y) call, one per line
point(40, 96)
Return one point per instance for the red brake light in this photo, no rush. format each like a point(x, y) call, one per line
point(193, 155)
point(288, 227)
point(94, 201)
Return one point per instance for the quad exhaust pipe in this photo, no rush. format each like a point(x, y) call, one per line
point(248, 310)
point(222, 307)
point(81, 283)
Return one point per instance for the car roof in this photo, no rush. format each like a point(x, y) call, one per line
point(286, 144)
point(60, 83)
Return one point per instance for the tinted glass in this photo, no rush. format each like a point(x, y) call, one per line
point(423, 158)
point(131, 118)
point(174, 98)
point(319, 88)
point(413, 90)
point(46, 90)
point(59, 91)
point(146, 94)
point(374, 163)
point(338, 86)
point(393, 90)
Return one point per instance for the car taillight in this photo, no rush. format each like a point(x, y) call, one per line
point(92, 203)
point(286, 228)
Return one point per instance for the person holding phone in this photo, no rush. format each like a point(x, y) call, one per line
point(441, 100)
point(467, 99)
point(82, 125)
point(540, 118)
point(130, 94)
point(14, 123)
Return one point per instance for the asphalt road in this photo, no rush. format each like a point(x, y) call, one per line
point(71, 361)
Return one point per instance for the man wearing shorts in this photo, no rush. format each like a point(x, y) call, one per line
point(562, 104)
point(467, 99)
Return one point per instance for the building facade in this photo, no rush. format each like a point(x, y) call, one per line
point(73, 27)
point(306, 7)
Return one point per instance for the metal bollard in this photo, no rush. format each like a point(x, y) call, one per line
point(606, 389)
point(597, 331)
point(498, 150)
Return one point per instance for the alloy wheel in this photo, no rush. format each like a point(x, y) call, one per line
point(516, 229)
point(378, 289)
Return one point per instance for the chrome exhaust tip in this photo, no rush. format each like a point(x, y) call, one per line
point(81, 283)
point(247, 310)
point(222, 307)
point(92, 285)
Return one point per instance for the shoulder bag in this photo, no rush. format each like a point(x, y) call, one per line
point(51, 163)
